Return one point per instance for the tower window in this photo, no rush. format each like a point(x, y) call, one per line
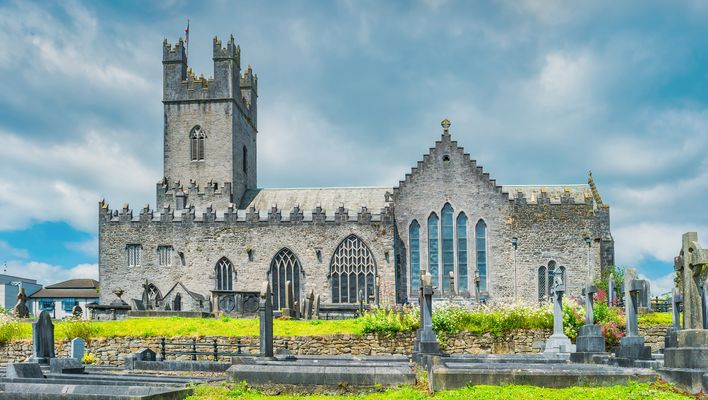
point(135, 254)
point(196, 143)
point(245, 160)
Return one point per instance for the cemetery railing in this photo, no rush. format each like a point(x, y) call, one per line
point(214, 349)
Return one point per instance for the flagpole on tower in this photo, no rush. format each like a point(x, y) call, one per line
point(186, 40)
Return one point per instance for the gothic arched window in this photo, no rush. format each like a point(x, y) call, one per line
point(462, 252)
point(284, 267)
point(448, 246)
point(433, 247)
point(549, 277)
point(414, 246)
point(196, 143)
point(352, 270)
point(225, 274)
point(481, 241)
point(541, 283)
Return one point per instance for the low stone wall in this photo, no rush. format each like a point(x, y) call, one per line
point(111, 351)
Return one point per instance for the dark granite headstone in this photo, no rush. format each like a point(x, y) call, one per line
point(42, 339)
point(24, 370)
point(590, 340)
point(66, 366)
point(265, 311)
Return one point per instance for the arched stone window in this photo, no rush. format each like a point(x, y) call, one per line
point(448, 246)
point(433, 247)
point(284, 267)
point(542, 283)
point(462, 252)
point(481, 241)
point(549, 277)
point(196, 143)
point(225, 274)
point(414, 247)
point(352, 269)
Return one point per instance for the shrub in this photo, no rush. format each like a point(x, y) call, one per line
point(9, 329)
point(388, 321)
point(573, 317)
point(73, 328)
point(612, 333)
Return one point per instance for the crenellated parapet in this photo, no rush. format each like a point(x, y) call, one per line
point(251, 216)
point(179, 197)
point(181, 84)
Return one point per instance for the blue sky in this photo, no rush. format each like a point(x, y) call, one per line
point(352, 94)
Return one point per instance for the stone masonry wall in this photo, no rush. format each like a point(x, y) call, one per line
point(205, 243)
point(111, 351)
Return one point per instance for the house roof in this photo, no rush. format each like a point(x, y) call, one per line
point(63, 293)
point(75, 284)
point(330, 199)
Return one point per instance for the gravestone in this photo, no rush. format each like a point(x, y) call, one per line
point(611, 290)
point(77, 312)
point(21, 310)
point(265, 312)
point(558, 342)
point(66, 366)
point(452, 284)
point(309, 313)
point(476, 286)
point(426, 342)
point(24, 370)
point(289, 310)
point(317, 307)
point(137, 305)
point(670, 338)
point(644, 294)
point(590, 340)
point(42, 339)
point(361, 302)
point(77, 349)
point(686, 360)
point(632, 345)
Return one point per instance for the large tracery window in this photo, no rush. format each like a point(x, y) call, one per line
point(224, 274)
point(481, 238)
point(433, 247)
point(196, 143)
point(448, 246)
point(414, 246)
point(284, 267)
point(462, 252)
point(352, 270)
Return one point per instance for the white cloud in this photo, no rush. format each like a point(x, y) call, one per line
point(661, 241)
point(88, 247)
point(8, 251)
point(64, 182)
point(47, 274)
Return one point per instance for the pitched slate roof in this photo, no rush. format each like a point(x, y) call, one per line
point(330, 199)
point(62, 293)
point(75, 284)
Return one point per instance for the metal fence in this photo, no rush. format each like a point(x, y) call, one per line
point(213, 349)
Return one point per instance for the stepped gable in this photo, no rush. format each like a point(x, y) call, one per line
point(445, 141)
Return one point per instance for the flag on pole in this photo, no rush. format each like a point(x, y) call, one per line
point(186, 39)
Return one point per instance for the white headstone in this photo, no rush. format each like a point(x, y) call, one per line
point(77, 348)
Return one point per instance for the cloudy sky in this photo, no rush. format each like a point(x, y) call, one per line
point(352, 94)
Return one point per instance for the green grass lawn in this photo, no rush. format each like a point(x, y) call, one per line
point(631, 391)
point(177, 326)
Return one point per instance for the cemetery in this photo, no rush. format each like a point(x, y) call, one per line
point(413, 348)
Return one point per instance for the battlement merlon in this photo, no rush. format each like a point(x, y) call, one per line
point(174, 62)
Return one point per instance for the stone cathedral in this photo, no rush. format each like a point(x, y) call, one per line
point(215, 236)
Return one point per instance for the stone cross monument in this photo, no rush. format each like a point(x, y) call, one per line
point(265, 311)
point(632, 345)
point(590, 340)
point(692, 265)
point(558, 342)
point(426, 342)
point(611, 290)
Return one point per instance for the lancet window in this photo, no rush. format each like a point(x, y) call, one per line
point(414, 247)
point(284, 267)
point(225, 274)
point(197, 138)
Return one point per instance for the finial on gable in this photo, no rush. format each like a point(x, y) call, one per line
point(446, 126)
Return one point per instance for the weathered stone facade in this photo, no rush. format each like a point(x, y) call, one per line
point(212, 224)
